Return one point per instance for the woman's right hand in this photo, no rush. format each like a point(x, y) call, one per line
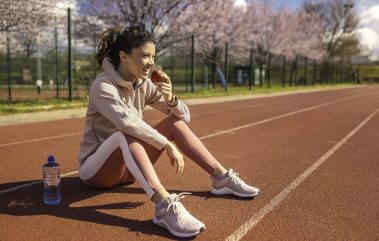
point(175, 156)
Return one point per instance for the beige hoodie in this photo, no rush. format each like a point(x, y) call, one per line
point(115, 106)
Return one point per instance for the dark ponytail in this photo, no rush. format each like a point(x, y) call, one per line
point(113, 41)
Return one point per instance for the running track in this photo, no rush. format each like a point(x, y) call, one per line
point(314, 156)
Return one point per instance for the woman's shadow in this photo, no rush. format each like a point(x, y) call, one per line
point(28, 201)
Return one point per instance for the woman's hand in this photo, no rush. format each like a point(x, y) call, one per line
point(165, 87)
point(175, 156)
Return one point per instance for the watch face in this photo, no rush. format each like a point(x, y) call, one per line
point(174, 100)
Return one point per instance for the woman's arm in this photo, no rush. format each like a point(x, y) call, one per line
point(156, 99)
point(106, 100)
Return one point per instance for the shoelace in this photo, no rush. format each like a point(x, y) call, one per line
point(236, 179)
point(177, 207)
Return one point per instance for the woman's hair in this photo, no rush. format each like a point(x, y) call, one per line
point(113, 41)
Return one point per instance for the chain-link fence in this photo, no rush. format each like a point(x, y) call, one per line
point(35, 62)
point(34, 58)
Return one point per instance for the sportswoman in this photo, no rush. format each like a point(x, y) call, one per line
point(119, 147)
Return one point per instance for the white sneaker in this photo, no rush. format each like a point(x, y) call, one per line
point(230, 183)
point(172, 215)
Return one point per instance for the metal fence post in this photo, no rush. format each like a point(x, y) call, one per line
point(260, 72)
point(334, 71)
point(291, 72)
point(94, 69)
point(186, 79)
point(56, 59)
point(296, 65)
point(314, 72)
point(306, 70)
point(252, 72)
point(284, 72)
point(269, 70)
point(69, 54)
point(193, 64)
point(9, 69)
point(172, 66)
point(226, 67)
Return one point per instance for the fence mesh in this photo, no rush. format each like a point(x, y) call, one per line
point(40, 51)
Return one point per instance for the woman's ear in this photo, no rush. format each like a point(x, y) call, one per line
point(123, 56)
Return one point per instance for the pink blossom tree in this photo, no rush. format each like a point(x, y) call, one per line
point(23, 22)
point(213, 23)
point(157, 16)
point(283, 32)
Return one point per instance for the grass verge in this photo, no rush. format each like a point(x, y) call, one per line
point(7, 108)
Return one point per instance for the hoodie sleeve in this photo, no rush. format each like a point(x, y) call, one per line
point(156, 100)
point(106, 100)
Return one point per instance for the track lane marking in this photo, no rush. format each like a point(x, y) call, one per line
point(205, 113)
point(155, 121)
point(279, 117)
point(255, 219)
point(41, 139)
point(201, 138)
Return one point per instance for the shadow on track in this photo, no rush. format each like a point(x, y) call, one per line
point(28, 201)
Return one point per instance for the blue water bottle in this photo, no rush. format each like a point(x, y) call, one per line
point(51, 182)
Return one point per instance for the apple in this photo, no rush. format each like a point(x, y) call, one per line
point(156, 76)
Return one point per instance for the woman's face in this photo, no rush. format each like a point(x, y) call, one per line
point(140, 61)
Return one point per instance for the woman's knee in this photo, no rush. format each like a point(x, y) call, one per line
point(106, 173)
point(118, 135)
point(132, 141)
point(177, 122)
point(180, 124)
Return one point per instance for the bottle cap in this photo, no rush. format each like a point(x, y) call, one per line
point(51, 158)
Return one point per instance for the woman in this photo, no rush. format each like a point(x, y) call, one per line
point(119, 147)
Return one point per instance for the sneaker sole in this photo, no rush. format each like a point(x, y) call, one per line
point(226, 191)
point(163, 224)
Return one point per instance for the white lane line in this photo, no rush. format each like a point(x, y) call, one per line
point(279, 116)
point(220, 111)
point(254, 220)
point(40, 139)
point(155, 121)
point(230, 130)
point(200, 114)
point(33, 183)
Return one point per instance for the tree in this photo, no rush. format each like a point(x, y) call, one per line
point(19, 15)
point(213, 23)
point(339, 25)
point(305, 36)
point(25, 27)
point(157, 16)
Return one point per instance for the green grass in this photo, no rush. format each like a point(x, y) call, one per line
point(7, 108)
point(367, 71)
point(205, 93)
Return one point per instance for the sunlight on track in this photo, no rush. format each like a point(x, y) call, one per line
point(201, 138)
point(254, 220)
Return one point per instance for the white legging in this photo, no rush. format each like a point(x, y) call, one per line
point(95, 161)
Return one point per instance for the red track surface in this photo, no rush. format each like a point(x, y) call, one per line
point(337, 201)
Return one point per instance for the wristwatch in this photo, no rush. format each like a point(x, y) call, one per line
point(173, 102)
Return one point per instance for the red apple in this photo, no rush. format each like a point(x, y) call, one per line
point(156, 76)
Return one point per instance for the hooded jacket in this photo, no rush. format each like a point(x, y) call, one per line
point(114, 105)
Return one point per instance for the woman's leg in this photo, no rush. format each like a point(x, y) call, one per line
point(106, 173)
point(178, 131)
point(104, 169)
point(112, 170)
point(145, 156)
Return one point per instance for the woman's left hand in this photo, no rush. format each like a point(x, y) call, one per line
point(165, 87)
